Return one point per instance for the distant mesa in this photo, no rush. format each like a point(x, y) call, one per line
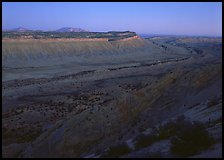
point(64, 29)
point(70, 29)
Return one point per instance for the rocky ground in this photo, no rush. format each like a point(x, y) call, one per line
point(130, 109)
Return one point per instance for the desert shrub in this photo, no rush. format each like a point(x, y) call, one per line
point(145, 140)
point(117, 151)
point(166, 130)
point(187, 138)
point(213, 102)
point(172, 127)
point(191, 139)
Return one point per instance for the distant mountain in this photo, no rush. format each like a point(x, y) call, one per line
point(21, 29)
point(70, 29)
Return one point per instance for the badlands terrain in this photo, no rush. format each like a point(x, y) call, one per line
point(110, 94)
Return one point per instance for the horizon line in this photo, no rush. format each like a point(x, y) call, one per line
point(139, 33)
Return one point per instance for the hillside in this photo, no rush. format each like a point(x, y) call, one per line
point(111, 96)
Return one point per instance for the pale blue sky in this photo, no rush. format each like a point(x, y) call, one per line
point(177, 18)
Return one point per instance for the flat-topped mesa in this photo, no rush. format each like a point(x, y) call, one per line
point(29, 38)
point(79, 36)
point(41, 48)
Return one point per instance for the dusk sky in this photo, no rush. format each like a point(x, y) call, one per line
point(174, 18)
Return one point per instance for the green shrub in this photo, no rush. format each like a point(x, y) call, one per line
point(145, 140)
point(191, 139)
point(171, 128)
point(213, 102)
point(117, 151)
point(166, 130)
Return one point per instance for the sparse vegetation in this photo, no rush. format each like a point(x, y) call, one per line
point(187, 138)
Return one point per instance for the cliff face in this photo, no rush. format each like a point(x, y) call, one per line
point(23, 51)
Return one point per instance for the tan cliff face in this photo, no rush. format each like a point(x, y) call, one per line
point(30, 38)
point(27, 50)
